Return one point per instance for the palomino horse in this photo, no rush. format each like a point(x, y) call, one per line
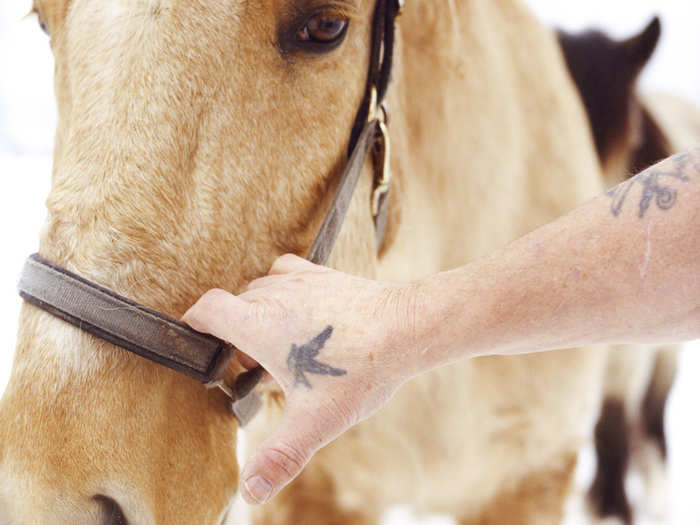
point(198, 141)
point(631, 133)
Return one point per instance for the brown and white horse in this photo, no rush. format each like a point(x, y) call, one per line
point(631, 132)
point(197, 141)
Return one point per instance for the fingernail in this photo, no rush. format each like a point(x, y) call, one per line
point(258, 489)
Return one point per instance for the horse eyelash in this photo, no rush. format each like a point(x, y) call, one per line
point(343, 8)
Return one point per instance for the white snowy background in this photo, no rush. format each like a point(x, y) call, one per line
point(28, 119)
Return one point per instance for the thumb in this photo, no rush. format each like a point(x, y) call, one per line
point(283, 454)
point(278, 460)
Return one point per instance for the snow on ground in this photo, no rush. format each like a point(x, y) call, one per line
point(28, 118)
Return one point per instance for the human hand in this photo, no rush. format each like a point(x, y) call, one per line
point(338, 345)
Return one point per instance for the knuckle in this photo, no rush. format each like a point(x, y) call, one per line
point(212, 298)
point(336, 413)
point(342, 412)
point(266, 309)
point(200, 315)
point(288, 258)
point(284, 262)
point(284, 460)
point(257, 312)
point(215, 293)
point(257, 283)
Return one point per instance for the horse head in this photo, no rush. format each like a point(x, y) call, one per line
point(606, 73)
point(196, 142)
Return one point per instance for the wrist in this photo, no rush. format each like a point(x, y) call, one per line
point(454, 318)
point(424, 332)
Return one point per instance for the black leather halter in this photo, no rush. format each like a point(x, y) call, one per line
point(171, 343)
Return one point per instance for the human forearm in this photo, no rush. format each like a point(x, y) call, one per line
point(620, 268)
point(624, 267)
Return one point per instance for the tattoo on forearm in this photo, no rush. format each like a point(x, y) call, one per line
point(653, 187)
point(302, 359)
point(665, 196)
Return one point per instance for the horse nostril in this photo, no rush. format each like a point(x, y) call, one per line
point(112, 513)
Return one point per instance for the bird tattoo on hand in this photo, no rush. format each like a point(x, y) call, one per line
point(301, 359)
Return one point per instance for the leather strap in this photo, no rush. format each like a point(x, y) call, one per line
point(321, 249)
point(123, 322)
point(381, 60)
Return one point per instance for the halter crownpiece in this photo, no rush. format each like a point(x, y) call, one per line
point(171, 343)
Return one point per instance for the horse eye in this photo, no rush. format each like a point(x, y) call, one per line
point(111, 511)
point(323, 28)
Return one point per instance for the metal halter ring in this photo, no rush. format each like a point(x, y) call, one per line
point(382, 159)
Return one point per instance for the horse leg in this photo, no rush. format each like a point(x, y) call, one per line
point(310, 500)
point(651, 456)
point(654, 404)
point(607, 495)
point(538, 499)
point(627, 377)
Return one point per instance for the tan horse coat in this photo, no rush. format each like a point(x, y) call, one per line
point(189, 155)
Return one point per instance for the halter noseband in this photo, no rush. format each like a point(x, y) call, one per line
point(171, 343)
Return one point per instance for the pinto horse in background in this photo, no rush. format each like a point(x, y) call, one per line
point(631, 133)
point(198, 141)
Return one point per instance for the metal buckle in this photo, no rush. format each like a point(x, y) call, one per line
point(382, 161)
point(244, 405)
point(221, 385)
point(372, 110)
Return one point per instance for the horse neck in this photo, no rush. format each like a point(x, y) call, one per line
point(477, 84)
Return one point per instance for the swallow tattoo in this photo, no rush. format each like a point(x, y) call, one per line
point(301, 359)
